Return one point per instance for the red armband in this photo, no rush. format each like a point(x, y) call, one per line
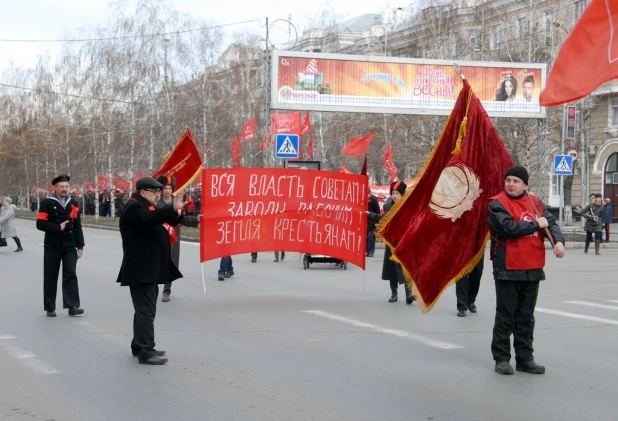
point(43, 216)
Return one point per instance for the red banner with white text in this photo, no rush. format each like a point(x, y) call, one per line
point(268, 209)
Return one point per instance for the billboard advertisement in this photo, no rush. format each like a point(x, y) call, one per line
point(338, 82)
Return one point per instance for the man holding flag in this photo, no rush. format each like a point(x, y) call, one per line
point(516, 222)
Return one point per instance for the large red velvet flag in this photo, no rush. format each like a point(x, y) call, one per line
point(267, 209)
point(358, 146)
point(184, 162)
point(247, 132)
point(389, 165)
point(120, 183)
point(438, 231)
point(588, 57)
point(236, 152)
point(103, 182)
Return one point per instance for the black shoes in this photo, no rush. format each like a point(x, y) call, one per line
point(154, 360)
point(529, 367)
point(220, 277)
point(461, 313)
point(393, 298)
point(253, 259)
point(51, 314)
point(166, 297)
point(472, 308)
point(19, 249)
point(369, 254)
point(74, 311)
point(504, 367)
point(229, 273)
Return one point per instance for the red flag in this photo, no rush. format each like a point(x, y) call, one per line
point(103, 181)
point(120, 183)
point(142, 140)
point(247, 132)
point(184, 162)
point(286, 123)
point(344, 170)
point(358, 146)
point(236, 152)
point(266, 142)
point(439, 229)
point(87, 184)
point(588, 57)
point(364, 169)
point(307, 129)
point(389, 165)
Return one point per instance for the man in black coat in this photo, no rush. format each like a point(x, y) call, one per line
point(518, 256)
point(372, 206)
point(146, 261)
point(64, 243)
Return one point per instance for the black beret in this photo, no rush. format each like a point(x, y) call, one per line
point(519, 172)
point(61, 179)
point(148, 183)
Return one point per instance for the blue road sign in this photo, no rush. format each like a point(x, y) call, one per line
point(286, 146)
point(563, 164)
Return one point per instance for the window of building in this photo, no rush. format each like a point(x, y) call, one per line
point(579, 8)
point(555, 185)
point(496, 36)
point(613, 111)
point(522, 27)
point(473, 45)
point(549, 30)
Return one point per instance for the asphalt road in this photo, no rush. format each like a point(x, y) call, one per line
point(277, 342)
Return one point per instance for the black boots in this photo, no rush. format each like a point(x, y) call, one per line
point(74, 311)
point(409, 296)
point(393, 297)
point(18, 242)
point(504, 367)
point(530, 367)
point(587, 246)
point(597, 247)
point(277, 256)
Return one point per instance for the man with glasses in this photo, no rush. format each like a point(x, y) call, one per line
point(146, 261)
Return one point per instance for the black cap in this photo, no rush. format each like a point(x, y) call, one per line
point(148, 183)
point(400, 186)
point(519, 172)
point(61, 179)
point(598, 195)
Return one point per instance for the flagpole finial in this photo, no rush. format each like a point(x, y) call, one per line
point(459, 72)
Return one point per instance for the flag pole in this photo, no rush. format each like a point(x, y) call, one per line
point(546, 230)
point(203, 281)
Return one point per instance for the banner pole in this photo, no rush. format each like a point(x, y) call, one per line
point(203, 281)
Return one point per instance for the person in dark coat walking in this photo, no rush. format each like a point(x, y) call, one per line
point(467, 288)
point(593, 213)
point(372, 206)
point(169, 185)
point(147, 261)
point(64, 243)
point(518, 256)
point(607, 217)
point(392, 271)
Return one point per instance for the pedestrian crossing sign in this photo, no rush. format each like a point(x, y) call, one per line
point(563, 164)
point(286, 146)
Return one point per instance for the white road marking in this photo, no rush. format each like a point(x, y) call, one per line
point(589, 304)
point(612, 301)
point(577, 316)
point(7, 337)
point(30, 360)
point(395, 332)
point(116, 338)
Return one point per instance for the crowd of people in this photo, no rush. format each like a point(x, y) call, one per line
point(150, 220)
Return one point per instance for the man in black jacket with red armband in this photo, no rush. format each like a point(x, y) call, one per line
point(64, 243)
point(146, 261)
point(518, 222)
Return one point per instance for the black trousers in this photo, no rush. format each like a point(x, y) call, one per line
point(467, 288)
point(371, 242)
point(144, 298)
point(52, 257)
point(515, 302)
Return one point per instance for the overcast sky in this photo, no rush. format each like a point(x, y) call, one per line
point(51, 19)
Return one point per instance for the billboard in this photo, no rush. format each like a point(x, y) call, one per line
point(364, 84)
